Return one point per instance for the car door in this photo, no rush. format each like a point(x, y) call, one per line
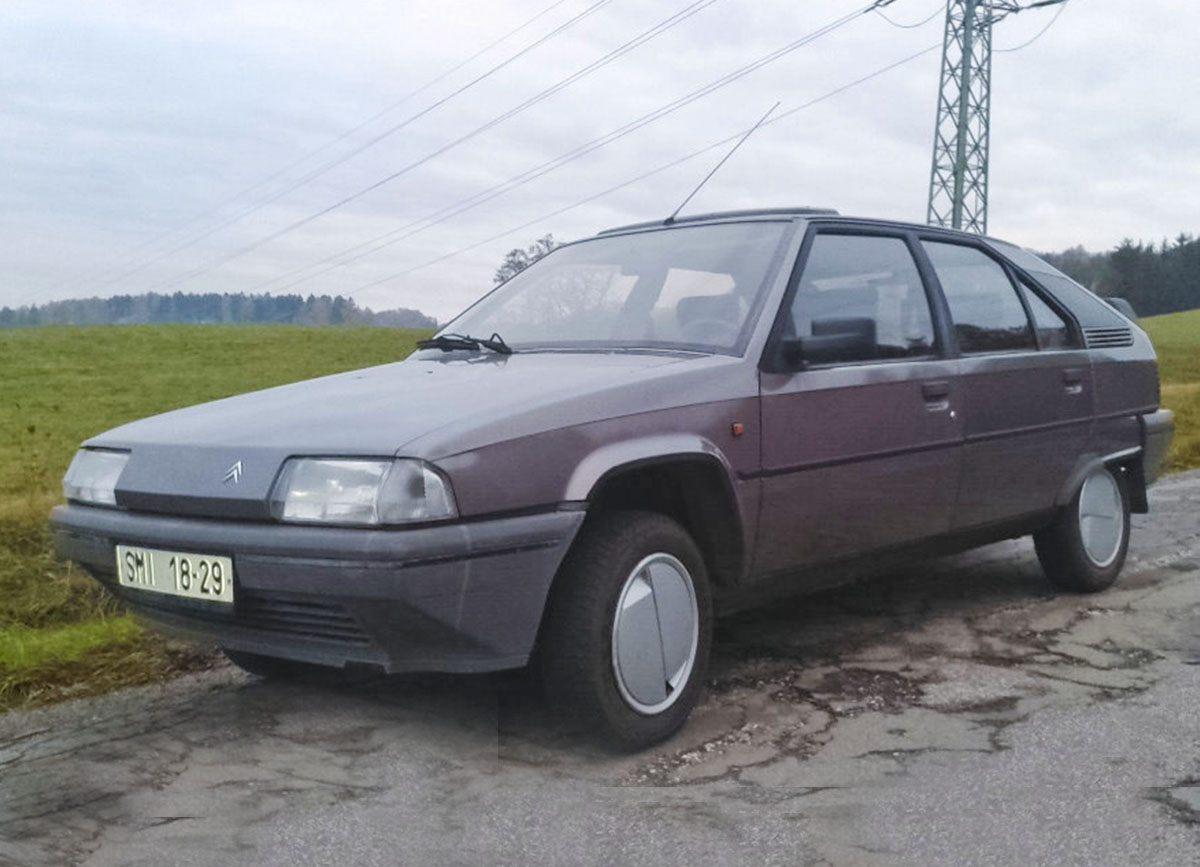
point(861, 437)
point(1026, 392)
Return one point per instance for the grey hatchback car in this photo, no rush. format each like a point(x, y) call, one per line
point(640, 429)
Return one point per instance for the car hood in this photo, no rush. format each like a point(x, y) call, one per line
point(183, 461)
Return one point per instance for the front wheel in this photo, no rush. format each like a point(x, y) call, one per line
point(1084, 550)
point(625, 642)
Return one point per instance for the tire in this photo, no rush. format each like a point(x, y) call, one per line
point(1081, 551)
point(593, 668)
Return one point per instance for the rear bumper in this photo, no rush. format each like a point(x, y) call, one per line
point(461, 597)
point(1157, 430)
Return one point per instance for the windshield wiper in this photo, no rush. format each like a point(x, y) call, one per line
point(450, 342)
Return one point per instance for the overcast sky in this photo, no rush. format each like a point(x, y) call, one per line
point(134, 133)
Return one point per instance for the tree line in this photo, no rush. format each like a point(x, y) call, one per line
point(211, 308)
point(1154, 278)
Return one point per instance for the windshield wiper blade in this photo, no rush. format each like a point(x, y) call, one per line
point(450, 342)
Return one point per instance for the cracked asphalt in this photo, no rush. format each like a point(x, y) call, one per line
point(955, 713)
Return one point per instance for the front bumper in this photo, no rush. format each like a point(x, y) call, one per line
point(463, 597)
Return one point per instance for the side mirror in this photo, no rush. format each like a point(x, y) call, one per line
point(841, 338)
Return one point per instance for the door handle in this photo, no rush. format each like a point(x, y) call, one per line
point(937, 395)
point(936, 390)
point(1073, 380)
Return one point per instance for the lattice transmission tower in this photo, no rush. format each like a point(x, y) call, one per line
point(958, 183)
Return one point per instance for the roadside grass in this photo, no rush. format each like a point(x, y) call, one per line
point(110, 663)
point(31, 647)
point(59, 633)
point(1176, 337)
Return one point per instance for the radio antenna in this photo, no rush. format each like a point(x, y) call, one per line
point(671, 219)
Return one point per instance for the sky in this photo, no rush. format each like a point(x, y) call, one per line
point(218, 146)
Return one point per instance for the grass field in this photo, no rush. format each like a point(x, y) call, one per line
point(1177, 338)
point(60, 636)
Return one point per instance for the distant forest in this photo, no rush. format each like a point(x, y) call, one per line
point(180, 307)
point(1154, 278)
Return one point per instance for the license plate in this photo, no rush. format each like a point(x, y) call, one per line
point(195, 576)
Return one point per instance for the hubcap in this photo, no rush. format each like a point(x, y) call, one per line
point(656, 631)
point(1101, 517)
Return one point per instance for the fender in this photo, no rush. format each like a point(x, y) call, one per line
point(731, 557)
point(1088, 463)
point(650, 449)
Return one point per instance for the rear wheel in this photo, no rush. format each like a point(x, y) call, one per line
point(1084, 549)
point(625, 643)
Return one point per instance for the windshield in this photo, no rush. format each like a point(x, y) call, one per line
point(693, 288)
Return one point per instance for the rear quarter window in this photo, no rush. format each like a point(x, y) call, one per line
point(1083, 303)
point(1053, 331)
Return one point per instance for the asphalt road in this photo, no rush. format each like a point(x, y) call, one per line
point(956, 714)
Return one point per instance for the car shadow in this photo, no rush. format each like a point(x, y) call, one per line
point(791, 631)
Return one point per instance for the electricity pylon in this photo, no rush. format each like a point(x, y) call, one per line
point(958, 183)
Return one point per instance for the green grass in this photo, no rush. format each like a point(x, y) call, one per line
point(1176, 337)
point(23, 647)
point(58, 633)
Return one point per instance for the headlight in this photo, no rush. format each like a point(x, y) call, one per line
point(350, 491)
point(92, 476)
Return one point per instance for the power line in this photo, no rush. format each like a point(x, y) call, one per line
point(130, 253)
point(421, 224)
point(379, 114)
point(645, 175)
point(369, 143)
point(621, 50)
point(657, 30)
point(1061, 9)
point(921, 23)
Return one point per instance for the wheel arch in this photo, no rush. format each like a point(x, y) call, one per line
point(685, 478)
point(1126, 462)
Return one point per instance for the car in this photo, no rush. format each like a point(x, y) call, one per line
point(638, 431)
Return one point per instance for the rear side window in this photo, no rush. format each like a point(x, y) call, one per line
point(1053, 331)
point(988, 315)
point(867, 285)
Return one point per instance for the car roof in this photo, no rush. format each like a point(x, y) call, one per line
point(724, 215)
point(824, 214)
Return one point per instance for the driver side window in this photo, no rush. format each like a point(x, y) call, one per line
point(861, 299)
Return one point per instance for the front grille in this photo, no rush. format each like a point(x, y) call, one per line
point(302, 617)
point(1108, 337)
